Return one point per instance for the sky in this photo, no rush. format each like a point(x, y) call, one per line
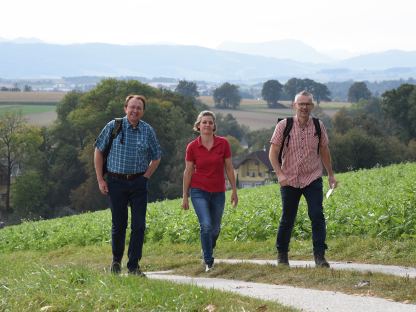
point(357, 26)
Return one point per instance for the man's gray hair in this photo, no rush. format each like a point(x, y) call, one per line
point(303, 93)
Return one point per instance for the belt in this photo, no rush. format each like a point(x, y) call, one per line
point(128, 177)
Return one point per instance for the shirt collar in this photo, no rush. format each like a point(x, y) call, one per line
point(199, 141)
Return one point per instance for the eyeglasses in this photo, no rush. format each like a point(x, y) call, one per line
point(307, 104)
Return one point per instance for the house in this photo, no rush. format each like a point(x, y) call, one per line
point(254, 169)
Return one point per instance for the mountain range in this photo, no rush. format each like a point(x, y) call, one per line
point(229, 62)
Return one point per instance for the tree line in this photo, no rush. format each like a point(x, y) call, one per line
point(52, 168)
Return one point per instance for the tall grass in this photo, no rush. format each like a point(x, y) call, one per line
point(377, 203)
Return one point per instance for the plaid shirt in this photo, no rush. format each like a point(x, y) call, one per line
point(301, 163)
point(140, 146)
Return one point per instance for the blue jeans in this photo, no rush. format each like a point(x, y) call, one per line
point(123, 193)
point(209, 208)
point(290, 202)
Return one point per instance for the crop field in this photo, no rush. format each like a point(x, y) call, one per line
point(256, 115)
point(38, 108)
point(377, 203)
point(31, 97)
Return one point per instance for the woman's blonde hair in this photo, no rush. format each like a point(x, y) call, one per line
point(199, 118)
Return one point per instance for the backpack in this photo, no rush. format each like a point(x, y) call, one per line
point(288, 128)
point(118, 126)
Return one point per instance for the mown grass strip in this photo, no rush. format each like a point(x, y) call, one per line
point(33, 285)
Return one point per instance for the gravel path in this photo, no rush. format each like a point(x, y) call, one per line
point(362, 267)
point(301, 298)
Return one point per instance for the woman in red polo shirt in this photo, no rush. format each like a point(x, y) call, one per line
point(206, 158)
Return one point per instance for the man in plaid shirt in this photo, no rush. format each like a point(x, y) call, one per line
point(300, 173)
point(134, 155)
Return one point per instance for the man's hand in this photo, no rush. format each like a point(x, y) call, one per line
point(102, 184)
point(332, 181)
point(281, 178)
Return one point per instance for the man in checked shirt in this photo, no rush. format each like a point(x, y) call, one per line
point(300, 173)
point(134, 156)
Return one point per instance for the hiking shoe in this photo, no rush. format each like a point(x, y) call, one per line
point(320, 261)
point(137, 272)
point(115, 267)
point(282, 259)
point(208, 268)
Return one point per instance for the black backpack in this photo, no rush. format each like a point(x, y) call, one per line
point(118, 126)
point(288, 128)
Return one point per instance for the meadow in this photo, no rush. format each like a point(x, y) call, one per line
point(63, 263)
point(256, 115)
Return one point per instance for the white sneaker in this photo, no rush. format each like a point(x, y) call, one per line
point(209, 268)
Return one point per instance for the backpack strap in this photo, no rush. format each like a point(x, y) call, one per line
point(286, 134)
point(317, 131)
point(118, 126)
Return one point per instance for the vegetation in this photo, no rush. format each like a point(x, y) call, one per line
point(376, 203)
point(63, 263)
point(187, 88)
point(358, 91)
point(271, 93)
point(227, 96)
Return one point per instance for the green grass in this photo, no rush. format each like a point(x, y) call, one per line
point(377, 203)
point(28, 108)
point(76, 279)
point(371, 218)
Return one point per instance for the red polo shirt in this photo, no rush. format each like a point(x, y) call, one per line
point(209, 164)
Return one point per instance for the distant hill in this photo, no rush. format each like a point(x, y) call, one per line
point(42, 60)
point(282, 49)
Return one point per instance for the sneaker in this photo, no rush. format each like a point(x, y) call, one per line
point(137, 272)
point(208, 268)
point(282, 258)
point(115, 267)
point(320, 261)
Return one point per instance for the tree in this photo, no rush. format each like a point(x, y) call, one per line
point(358, 91)
point(228, 125)
point(293, 86)
point(187, 88)
point(271, 92)
point(12, 126)
point(320, 91)
point(227, 96)
point(399, 105)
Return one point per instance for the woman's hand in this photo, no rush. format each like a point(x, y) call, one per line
point(234, 198)
point(185, 203)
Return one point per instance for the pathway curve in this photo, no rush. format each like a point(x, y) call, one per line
point(362, 267)
point(305, 299)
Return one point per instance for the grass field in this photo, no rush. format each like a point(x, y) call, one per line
point(63, 263)
point(39, 108)
point(256, 115)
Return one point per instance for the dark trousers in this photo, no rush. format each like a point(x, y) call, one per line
point(123, 193)
point(290, 202)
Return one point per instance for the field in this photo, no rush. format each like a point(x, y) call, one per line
point(256, 115)
point(62, 264)
point(31, 97)
point(39, 108)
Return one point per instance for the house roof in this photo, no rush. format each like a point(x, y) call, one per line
point(261, 155)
